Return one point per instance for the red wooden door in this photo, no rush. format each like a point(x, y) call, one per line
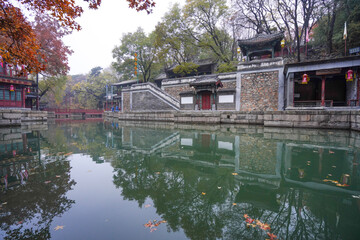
point(205, 101)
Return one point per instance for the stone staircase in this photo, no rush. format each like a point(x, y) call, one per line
point(158, 92)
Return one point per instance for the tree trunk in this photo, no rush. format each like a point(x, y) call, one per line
point(330, 32)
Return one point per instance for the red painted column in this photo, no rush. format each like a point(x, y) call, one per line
point(23, 97)
point(323, 91)
point(357, 91)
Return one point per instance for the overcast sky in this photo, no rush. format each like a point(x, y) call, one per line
point(103, 28)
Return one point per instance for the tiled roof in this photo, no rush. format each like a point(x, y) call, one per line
point(261, 39)
point(204, 80)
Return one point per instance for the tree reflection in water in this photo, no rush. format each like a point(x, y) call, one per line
point(294, 207)
point(29, 207)
point(188, 174)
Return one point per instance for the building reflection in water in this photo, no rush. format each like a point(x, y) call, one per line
point(28, 202)
point(305, 185)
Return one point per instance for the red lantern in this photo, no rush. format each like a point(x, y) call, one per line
point(28, 90)
point(305, 79)
point(349, 75)
point(12, 88)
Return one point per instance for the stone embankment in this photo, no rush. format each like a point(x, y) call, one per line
point(321, 119)
point(19, 117)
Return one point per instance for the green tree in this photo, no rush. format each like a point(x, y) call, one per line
point(91, 93)
point(53, 90)
point(186, 68)
point(124, 54)
point(330, 28)
point(205, 21)
point(175, 46)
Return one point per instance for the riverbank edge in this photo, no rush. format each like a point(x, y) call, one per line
point(317, 119)
point(19, 117)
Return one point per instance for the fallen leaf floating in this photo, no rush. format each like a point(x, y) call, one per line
point(219, 187)
point(331, 152)
point(272, 236)
point(19, 222)
point(147, 205)
point(234, 173)
point(203, 193)
point(234, 204)
point(157, 173)
point(336, 183)
point(68, 154)
point(153, 224)
point(58, 227)
point(264, 226)
point(57, 176)
point(46, 182)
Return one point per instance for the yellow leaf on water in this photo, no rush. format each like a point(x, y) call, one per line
point(234, 173)
point(58, 227)
point(203, 193)
point(234, 204)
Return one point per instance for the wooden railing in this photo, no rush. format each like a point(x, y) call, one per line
point(13, 72)
point(313, 103)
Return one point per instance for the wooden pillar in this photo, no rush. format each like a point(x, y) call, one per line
point(357, 91)
point(323, 91)
point(23, 96)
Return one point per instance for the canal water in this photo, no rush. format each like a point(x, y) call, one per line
point(101, 180)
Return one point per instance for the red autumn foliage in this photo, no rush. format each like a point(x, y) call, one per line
point(55, 53)
point(18, 42)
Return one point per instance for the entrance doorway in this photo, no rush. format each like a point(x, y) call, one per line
point(205, 101)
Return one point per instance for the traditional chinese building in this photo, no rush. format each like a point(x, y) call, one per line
point(15, 88)
point(265, 81)
point(323, 83)
point(261, 46)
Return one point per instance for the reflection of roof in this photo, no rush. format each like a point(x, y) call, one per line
point(261, 39)
point(204, 80)
point(258, 196)
point(125, 82)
